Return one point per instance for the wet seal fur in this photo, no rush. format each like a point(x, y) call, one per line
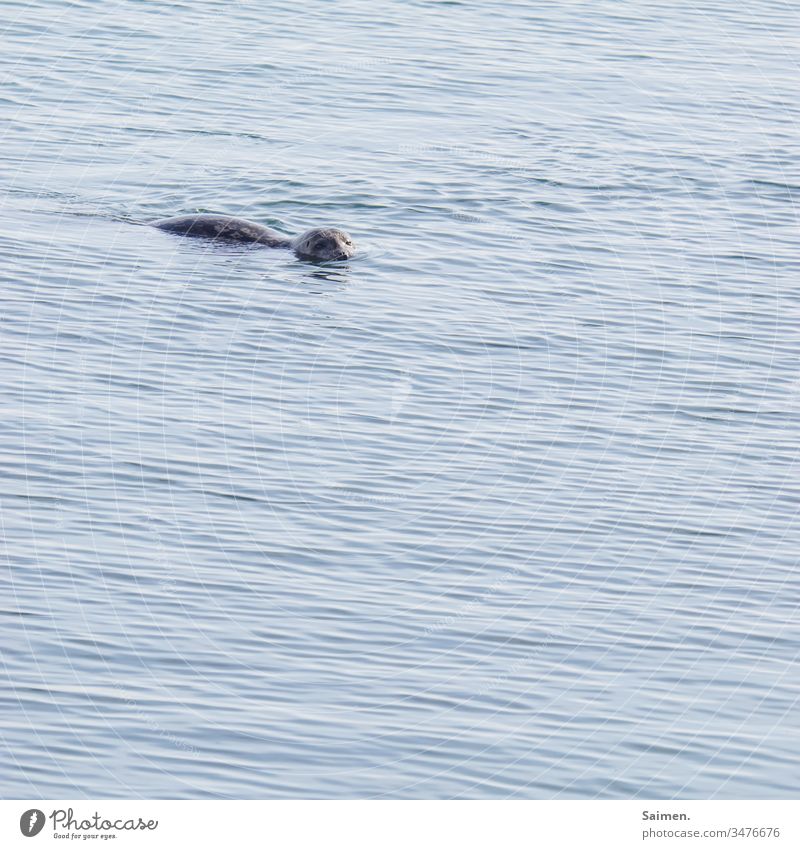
point(322, 244)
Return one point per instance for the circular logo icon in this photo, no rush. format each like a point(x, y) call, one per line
point(31, 822)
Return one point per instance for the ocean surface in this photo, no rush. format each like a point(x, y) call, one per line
point(504, 507)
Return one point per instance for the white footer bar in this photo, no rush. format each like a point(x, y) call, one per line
point(402, 824)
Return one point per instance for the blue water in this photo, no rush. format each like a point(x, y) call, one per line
point(506, 506)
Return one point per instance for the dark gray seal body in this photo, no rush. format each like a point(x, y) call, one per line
point(322, 243)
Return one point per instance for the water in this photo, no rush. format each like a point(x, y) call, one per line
point(506, 506)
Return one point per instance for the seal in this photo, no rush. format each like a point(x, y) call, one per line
point(321, 244)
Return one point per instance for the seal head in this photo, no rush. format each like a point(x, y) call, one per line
point(324, 244)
